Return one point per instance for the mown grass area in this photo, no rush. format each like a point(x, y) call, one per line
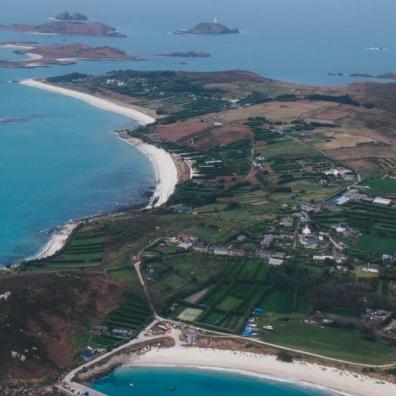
point(344, 344)
point(83, 250)
point(376, 243)
point(381, 186)
point(284, 149)
point(125, 275)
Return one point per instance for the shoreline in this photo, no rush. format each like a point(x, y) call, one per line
point(266, 367)
point(165, 170)
point(57, 241)
point(163, 164)
point(104, 104)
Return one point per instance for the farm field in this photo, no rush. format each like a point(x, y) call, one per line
point(180, 275)
point(382, 186)
point(371, 219)
point(133, 314)
point(376, 243)
point(336, 343)
point(84, 250)
point(126, 275)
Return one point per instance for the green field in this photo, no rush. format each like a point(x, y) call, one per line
point(371, 219)
point(181, 274)
point(376, 243)
point(344, 344)
point(241, 285)
point(126, 275)
point(133, 314)
point(84, 250)
point(382, 186)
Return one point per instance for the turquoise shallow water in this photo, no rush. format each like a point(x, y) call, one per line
point(59, 158)
point(190, 382)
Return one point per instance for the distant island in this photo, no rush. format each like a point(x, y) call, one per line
point(40, 56)
point(385, 76)
point(209, 28)
point(66, 27)
point(66, 16)
point(187, 54)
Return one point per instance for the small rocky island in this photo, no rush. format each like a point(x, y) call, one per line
point(39, 55)
point(66, 16)
point(187, 54)
point(87, 28)
point(211, 28)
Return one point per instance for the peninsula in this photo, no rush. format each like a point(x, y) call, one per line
point(210, 28)
point(66, 27)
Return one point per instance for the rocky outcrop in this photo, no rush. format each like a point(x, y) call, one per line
point(66, 16)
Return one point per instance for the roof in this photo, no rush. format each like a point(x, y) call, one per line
point(342, 200)
point(274, 261)
point(382, 201)
point(87, 353)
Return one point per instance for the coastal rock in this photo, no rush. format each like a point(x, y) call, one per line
point(66, 16)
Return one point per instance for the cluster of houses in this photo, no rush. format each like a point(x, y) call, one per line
point(189, 242)
point(335, 255)
point(114, 82)
point(343, 173)
point(389, 258)
point(358, 194)
point(309, 239)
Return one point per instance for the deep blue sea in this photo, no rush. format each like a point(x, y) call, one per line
point(155, 381)
point(59, 158)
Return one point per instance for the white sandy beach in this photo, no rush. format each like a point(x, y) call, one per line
point(141, 118)
point(163, 164)
point(267, 366)
point(57, 241)
point(164, 168)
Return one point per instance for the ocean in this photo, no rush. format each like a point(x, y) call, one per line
point(59, 158)
point(196, 382)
